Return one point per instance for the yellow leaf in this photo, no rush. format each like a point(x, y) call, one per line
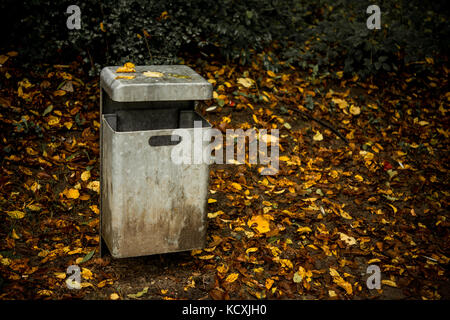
point(3, 59)
point(94, 186)
point(250, 250)
point(68, 124)
point(45, 292)
point(261, 222)
point(212, 215)
point(78, 250)
point(269, 283)
point(340, 281)
point(271, 74)
point(373, 261)
point(72, 194)
point(164, 15)
point(85, 175)
point(125, 77)
point(339, 74)
point(86, 273)
point(95, 209)
point(59, 93)
point(206, 257)
point(101, 284)
point(231, 277)
point(347, 239)
point(86, 284)
point(246, 82)
point(286, 263)
point(222, 269)
point(355, 110)
point(340, 102)
point(359, 178)
point(345, 215)
point(318, 136)
point(52, 121)
point(127, 67)
point(153, 74)
point(393, 208)
point(304, 229)
point(60, 275)
point(139, 294)
point(236, 186)
point(14, 234)
point(102, 27)
point(16, 214)
point(389, 283)
point(114, 296)
point(210, 200)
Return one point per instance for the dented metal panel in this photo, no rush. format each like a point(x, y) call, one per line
point(149, 204)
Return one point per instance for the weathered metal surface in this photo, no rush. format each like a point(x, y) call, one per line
point(178, 83)
point(149, 204)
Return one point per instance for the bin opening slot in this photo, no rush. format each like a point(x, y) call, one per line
point(153, 119)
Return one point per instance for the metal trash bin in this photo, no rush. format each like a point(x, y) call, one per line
point(149, 204)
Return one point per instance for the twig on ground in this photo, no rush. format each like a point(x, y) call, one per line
point(322, 123)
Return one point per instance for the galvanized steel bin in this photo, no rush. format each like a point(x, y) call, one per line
point(149, 204)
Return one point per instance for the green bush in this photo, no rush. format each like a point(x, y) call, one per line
point(147, 31)
point(320, 36)
point(410, 31)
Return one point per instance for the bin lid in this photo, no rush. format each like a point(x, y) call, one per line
point(178, 82)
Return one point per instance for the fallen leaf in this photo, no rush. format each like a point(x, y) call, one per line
point(389, 283)
point(260, 223)
point(16, 214)
point(94, 186)
point(304, 229)
point(246, 82)
point(127, 67)
point(347, 239)
point(85, 175)
point(114, 296)
point(231, 277)
point(318, 136)
point(355, 110)
point(72, 194)
point(153, 74)
point(139, 294)
point(125, 77)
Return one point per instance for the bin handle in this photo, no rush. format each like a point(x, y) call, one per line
point(164, 140)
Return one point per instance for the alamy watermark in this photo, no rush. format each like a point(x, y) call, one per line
point(374, 280)
point(74, 279)
point(198, 149)
point(74, 20)
point(374, 20)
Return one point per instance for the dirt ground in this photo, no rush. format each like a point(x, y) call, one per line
point(308, 232)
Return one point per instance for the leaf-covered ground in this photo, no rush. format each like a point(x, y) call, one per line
point(309, 232)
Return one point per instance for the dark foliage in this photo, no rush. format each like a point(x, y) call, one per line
point(317, 35)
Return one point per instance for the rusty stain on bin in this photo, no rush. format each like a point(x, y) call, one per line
point(149, 204)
